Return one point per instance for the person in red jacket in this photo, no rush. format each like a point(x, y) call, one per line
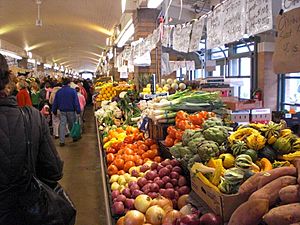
point(23, 97)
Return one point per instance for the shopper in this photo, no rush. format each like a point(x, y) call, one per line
point(23, 97)
point(16, 192)
point(66, 101)
point(82, 89)
point(35, 94)
point(82, 103)
point(45, 94)
point(55, 118)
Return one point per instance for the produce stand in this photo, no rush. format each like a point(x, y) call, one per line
point(104, 177)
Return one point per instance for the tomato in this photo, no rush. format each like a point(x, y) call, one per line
point(181, 115)
point(119, 163)
point(128, 165)
point(149, 142)
point(139, 162)
point(112, 169)
point(146, 160)
point(155, 146)
point(143, 147)
point(128, 158)
point(129, 139)
point(171, 131)
point(157, 159)
point(140, 152)
point(111, 150)
point(179, 134)
point(128, 151)
point(182, 124)
point(116, 145)
point(169, 142)
point(121, 172)
point(151, 154)
point(145, 155)
point(110, 158)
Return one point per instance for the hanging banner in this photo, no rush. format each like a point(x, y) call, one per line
point(286, 57)
point(290, 4)
point(181, 37)
point(166, 36)
point(259, 16)
point(197, 31)
point(234, 24)
point(214, 26)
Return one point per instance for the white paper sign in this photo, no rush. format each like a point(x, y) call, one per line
point(214, 28)
point(234, 24)
point(166, 36)
point(290, 4)
point(259, 17)
point(181, 37)
point(197, 31)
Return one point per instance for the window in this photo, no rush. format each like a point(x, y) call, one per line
point(290, 92)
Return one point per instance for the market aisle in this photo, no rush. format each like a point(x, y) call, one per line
point(82, 175)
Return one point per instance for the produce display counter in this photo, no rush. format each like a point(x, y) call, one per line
point(104, 177)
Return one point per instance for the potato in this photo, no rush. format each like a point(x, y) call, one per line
point(275, 173)
point(260, 179)
point(271, 190)
point(250, 212)
point(283, 215)
point(290, 194)
point(296, 163)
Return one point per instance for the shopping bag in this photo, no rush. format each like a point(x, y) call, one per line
point(76, 130)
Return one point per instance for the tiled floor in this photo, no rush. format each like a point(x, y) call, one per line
point(82, 175)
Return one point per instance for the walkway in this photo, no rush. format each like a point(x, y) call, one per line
point(82, 175)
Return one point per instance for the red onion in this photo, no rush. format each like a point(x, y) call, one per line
point(191, 219)
point(162, 191)
point(135, 173)
point(182, 181)
point(153, 195)
point(174, 175)
point(121, 198)
point(164, 172)
point(184, 190)
point(126, 192)
point(115, 193)
point(154, 187)
point(174, 182)
point(150, 175)
point(177, 169)
point(174, 162)
point(144, 168)
point(166, 162)
point(142, 182)
point(160, 183)
point(154, 165)
point(169, 185)
point(118, 208)
point(169, 193)
point(129, 203)
point(136, 193)
point(146, 188)
point(210, 219)
point(156, 179)
point(166, 179)
point(134, 187)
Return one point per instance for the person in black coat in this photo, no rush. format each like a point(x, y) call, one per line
point(13, 158)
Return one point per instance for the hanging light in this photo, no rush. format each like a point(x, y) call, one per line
point(153, 4)
point(125, 34)
point(10, 54)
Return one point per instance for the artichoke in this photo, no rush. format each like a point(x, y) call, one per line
point(175, 150)
point(194, 144)
point(212, 122)
point(218, 134)
point(187, 136)
point(207, 150)
point(197, 134)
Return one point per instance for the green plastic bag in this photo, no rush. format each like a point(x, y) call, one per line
point(76, 131)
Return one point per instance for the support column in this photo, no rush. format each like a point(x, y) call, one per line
point(267, 79)
point(22, 63)
point(145, 22)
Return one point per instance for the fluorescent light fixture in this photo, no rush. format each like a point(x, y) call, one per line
point(123, 5)
point(10, 54)
point(32, 61)
point(47, 66)
point(38, 63)
point(153, 4)
point(125, 34)
point(29, 54)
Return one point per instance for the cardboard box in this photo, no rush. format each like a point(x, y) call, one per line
point(261, 115)
point(221, 204)
point(239, 116)
point(235, 104)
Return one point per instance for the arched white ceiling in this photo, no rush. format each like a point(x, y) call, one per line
point(73, 31)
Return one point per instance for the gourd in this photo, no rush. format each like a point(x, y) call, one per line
point(228, 160)
point(266, 165)
point(269, 153)
point(239, 147)
point(252, 154)
point(244, 161)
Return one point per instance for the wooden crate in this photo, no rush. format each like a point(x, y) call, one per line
point(157, 131)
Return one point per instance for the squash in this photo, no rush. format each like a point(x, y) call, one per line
point(252, 154)
point(266, 165)
point(269, 153)
point(244, 161)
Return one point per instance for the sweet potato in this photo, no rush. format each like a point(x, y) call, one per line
point(283, 215)
point(271, 190)
point(295, 223)
point(250, 212)
point(260, 179)
point(290, 194)
point(296, 163)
